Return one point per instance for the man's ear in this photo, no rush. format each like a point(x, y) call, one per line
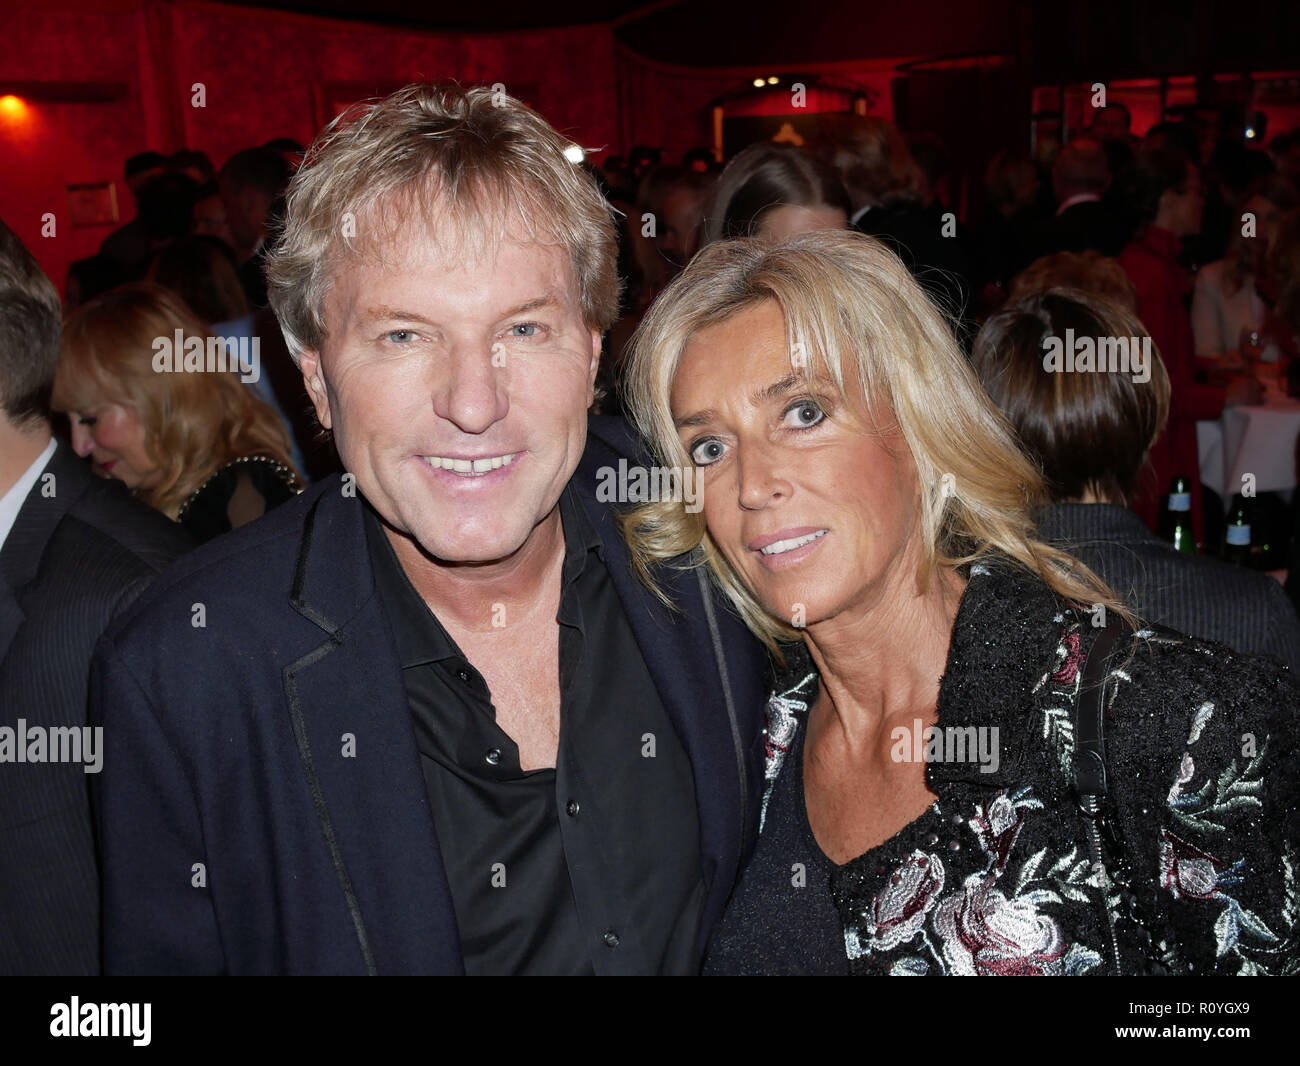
point(309, 364)
point(594, 369)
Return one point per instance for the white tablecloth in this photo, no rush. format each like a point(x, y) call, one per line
point(1251, 440)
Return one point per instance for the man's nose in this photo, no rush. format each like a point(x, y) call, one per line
point(473, 394)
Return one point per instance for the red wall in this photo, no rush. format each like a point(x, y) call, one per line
point(49, 145)
point(264, 74)
point(668, 106)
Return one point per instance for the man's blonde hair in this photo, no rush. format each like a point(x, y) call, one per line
point(862, 321)
point(477, 162)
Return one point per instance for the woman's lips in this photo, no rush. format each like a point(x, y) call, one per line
point(790, 551)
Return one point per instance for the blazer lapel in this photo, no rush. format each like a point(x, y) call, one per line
point(41, 512)
point(61, 484)
point(678, 648)
point(11, 618)
point(352, 728)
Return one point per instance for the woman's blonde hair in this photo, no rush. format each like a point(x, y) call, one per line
point(194, 422)
point(856, 313)
point(460, 156)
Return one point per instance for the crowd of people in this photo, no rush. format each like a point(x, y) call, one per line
point(331, 735)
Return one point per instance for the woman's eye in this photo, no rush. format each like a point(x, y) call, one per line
point(705, 452)
point(87, 420)
point(805, 415)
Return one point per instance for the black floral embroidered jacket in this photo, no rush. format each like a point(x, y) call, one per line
point(1198, 836)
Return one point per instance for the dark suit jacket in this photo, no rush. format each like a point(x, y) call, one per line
point(72, 560)
point(1082, 226)
point(1199, 596)
point(941, 264)
point(237, 838)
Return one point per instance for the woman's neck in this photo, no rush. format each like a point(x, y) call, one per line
point(881, 663)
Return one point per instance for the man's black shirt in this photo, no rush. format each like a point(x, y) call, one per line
point(592, 866)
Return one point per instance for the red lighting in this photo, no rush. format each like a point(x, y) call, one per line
point(13, 107)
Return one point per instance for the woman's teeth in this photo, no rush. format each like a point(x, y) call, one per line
point(794, 542)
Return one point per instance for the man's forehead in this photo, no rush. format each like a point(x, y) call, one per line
point(418, 273)
point(452, 242)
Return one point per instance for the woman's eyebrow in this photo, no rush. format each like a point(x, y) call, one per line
point(766, 394)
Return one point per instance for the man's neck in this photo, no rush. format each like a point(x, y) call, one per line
point(472, 596)
point(19, 448)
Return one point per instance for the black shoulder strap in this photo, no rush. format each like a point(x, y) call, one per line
point(1089, 734)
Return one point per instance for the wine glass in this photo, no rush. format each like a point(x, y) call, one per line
point(1250, 343)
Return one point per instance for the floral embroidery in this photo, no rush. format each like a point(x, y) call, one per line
point(978, 929)
point(986, 934)
point(899, 911)
point(784, 711)
point(1235, 790)
point(1062, 681)
point(1069, 669)
point(1189, 873)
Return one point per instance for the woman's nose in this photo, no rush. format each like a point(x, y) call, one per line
point(758, 480)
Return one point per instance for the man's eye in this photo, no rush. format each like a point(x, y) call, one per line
point(529, 329)
point(87, 420)
point(805, 415)
point(705, 452)
point(401, 336)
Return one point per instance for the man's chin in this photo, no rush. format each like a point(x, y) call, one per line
point(468, 550)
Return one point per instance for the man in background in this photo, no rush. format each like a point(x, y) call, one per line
point(74, 551)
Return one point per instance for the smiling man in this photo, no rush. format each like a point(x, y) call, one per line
point(424, 718)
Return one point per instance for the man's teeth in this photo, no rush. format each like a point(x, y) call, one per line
point(794, 542)
point(469, 467)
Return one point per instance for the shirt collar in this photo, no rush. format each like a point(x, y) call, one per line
point(1090, 522)
point(1078, 198)
point(11, 503)
point(420, 637)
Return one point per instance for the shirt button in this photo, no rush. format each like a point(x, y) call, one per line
point(463, 674)
point(572, 810)
point(611, 939)
point(493, 756)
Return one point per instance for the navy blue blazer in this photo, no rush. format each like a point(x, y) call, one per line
point(236, 837)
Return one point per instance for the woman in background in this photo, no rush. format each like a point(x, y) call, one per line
point(1089, 433)
point(198, 446)
point(1225, 305)
point(775, 191)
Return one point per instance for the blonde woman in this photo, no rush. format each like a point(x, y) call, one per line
point(930, 806)
point(198, 446)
